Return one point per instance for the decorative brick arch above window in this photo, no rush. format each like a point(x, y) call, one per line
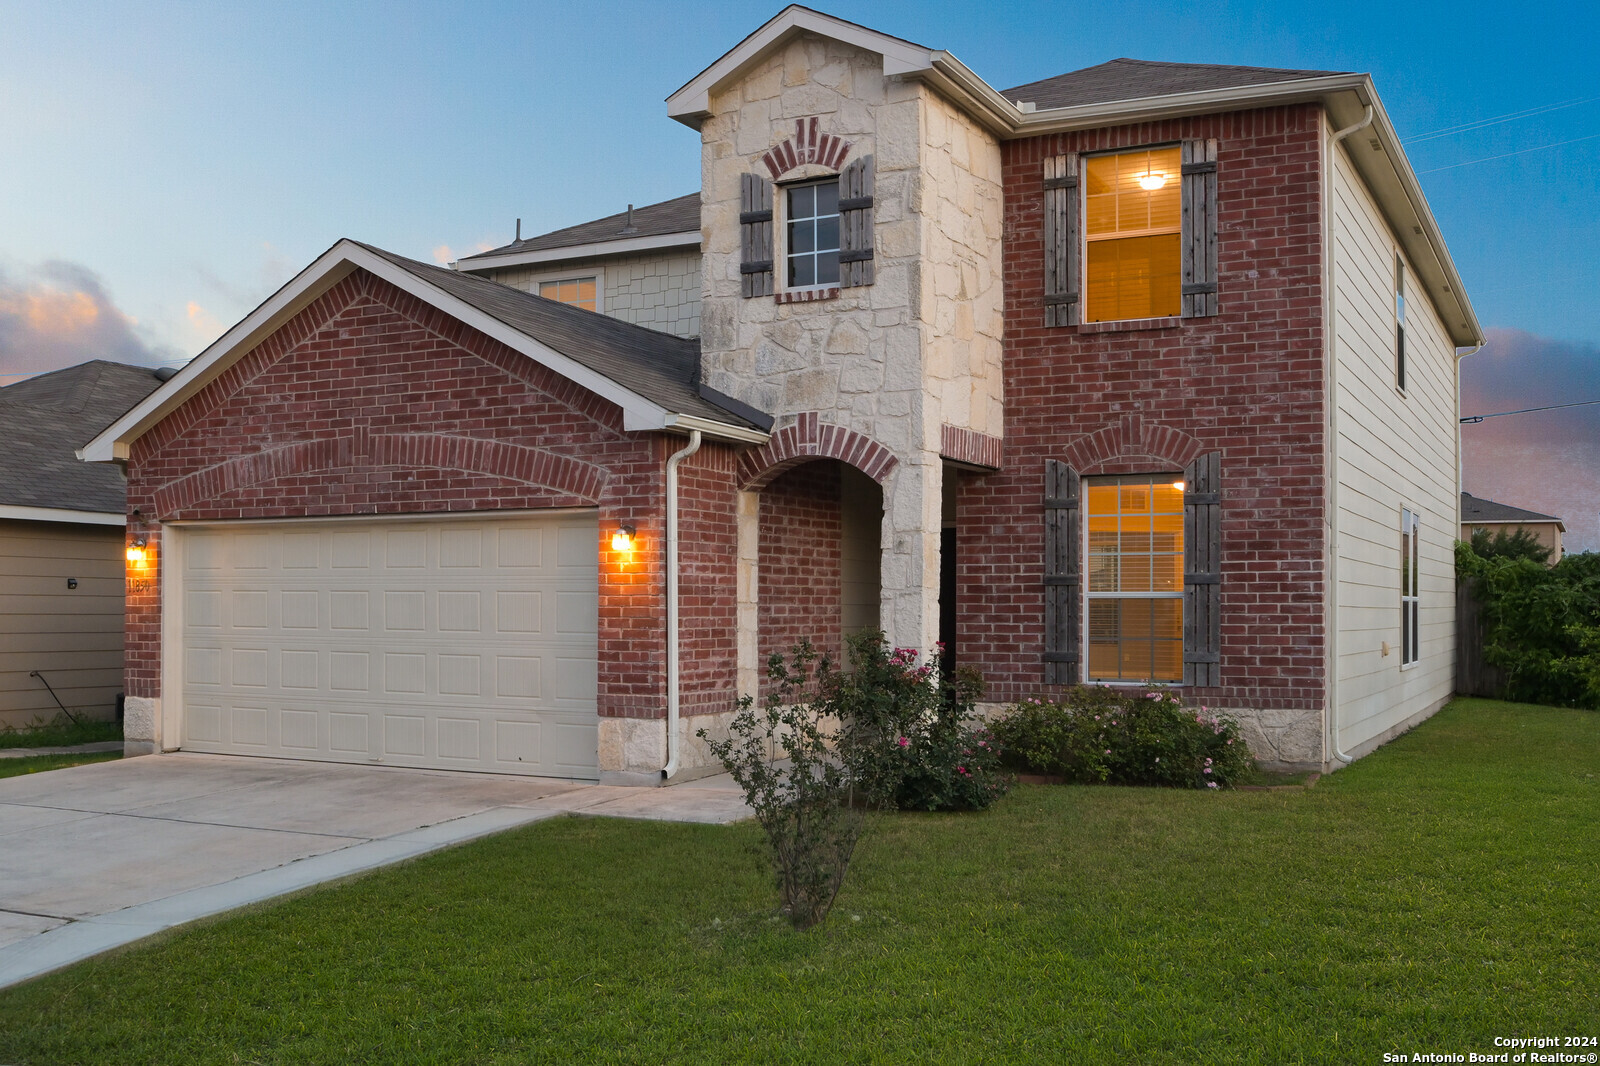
point(808, 145)
point(810, 439)
point(582, 481)
point(1131, 445)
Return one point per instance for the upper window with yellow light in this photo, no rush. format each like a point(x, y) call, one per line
point(579, 292)
point(1133, 225)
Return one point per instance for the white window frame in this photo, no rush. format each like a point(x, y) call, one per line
point(1087, 595)
point(533, 281)
point(1400, 324)
point(1410, 588)
point(783, 229)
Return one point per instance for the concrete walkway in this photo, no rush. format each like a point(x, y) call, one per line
point(94, 857)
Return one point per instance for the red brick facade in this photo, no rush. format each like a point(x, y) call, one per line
point(800, 574)
point(1108, 399)
point(370, 401)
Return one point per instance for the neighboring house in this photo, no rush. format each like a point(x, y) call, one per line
point(61, 543)
point(1141, 374)
point(1479, 514)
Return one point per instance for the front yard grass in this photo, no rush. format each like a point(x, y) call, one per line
point(34, 764)
point(1437, 894)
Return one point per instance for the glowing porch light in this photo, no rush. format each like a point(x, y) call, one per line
point(622, 539)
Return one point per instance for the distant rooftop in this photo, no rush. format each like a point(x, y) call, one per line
point(44, 419)
point(1474, 510)
point(679, 215)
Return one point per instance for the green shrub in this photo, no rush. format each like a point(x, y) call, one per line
point(798, 790)
point(1541, 624)
point(1095, 734)
point(908, 735)
point(1519, 544)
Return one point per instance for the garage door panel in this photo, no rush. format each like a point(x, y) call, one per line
point(468, 644)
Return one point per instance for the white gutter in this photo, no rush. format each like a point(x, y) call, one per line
point(1333, 452)
point(673, 666)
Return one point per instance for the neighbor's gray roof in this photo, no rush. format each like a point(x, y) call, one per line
point(680, 215)
point(1133, 79)
point(1476, 510)
point(658, 366)
point(44, 419)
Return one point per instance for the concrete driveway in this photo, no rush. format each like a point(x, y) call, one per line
point(93, 857)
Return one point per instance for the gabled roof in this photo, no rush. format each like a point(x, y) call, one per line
point(42, 421)
point(678, 217)
point(1487, 512)
point(652, 376)
point(1135, 79)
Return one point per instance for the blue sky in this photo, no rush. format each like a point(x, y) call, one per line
point(166, 166)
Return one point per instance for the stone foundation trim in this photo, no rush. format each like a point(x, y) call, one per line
point(969, 446)
point(806, 146)
point(810, 438)
point(1132, 444)
point(533, 466)
point(806, 296)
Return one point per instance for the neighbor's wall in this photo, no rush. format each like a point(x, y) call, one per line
point(1110, 398)
point(659, 290)
point(72, 636)
point(1393, 450)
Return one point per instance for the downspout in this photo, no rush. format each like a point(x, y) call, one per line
point(673, 666)
point(1333, 452)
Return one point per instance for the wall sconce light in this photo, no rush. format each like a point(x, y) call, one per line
point(136, 550)
point(622, 539)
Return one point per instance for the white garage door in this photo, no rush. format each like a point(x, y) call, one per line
point(461, 644)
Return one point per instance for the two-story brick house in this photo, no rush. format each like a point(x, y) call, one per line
point(1141, 374)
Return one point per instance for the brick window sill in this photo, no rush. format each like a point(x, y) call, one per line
point(806, 296)
point(1130, 324)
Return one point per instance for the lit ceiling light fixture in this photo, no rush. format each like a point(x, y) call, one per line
point(1150, 182)
point(1178, 485)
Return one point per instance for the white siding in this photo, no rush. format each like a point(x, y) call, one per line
point(72, 636)
point(1393, 450)
point(659, 290)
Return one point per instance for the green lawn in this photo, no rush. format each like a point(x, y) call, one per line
point(1438, 894)
point(33, 764)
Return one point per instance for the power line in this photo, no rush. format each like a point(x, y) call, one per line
point(1508, 155)
point(1497, 120)
point(1474, 419)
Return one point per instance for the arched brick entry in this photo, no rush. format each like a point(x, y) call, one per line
point(809, 439)
point(1131, 444)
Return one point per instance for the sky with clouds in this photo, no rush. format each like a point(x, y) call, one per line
point(168, 165)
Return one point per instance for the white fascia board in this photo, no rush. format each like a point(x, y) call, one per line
point(329, 269)
point(692, 103)
point(61, 514)
point(592, 250)
point(719, 430)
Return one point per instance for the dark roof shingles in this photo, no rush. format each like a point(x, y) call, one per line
point(680, 215)
point(45, 419)
point(1474, 509)
point(1133, 79)
point(658, 366)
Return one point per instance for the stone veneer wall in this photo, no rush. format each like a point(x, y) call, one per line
point(658, 290)
point(1249, 382)
point(895, 360)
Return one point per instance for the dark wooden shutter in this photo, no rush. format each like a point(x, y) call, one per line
point(855, 223)
point(755, 235)
point(1061, 253)
point(1199, 241)
point(1061, 574)
point(1202, 571)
